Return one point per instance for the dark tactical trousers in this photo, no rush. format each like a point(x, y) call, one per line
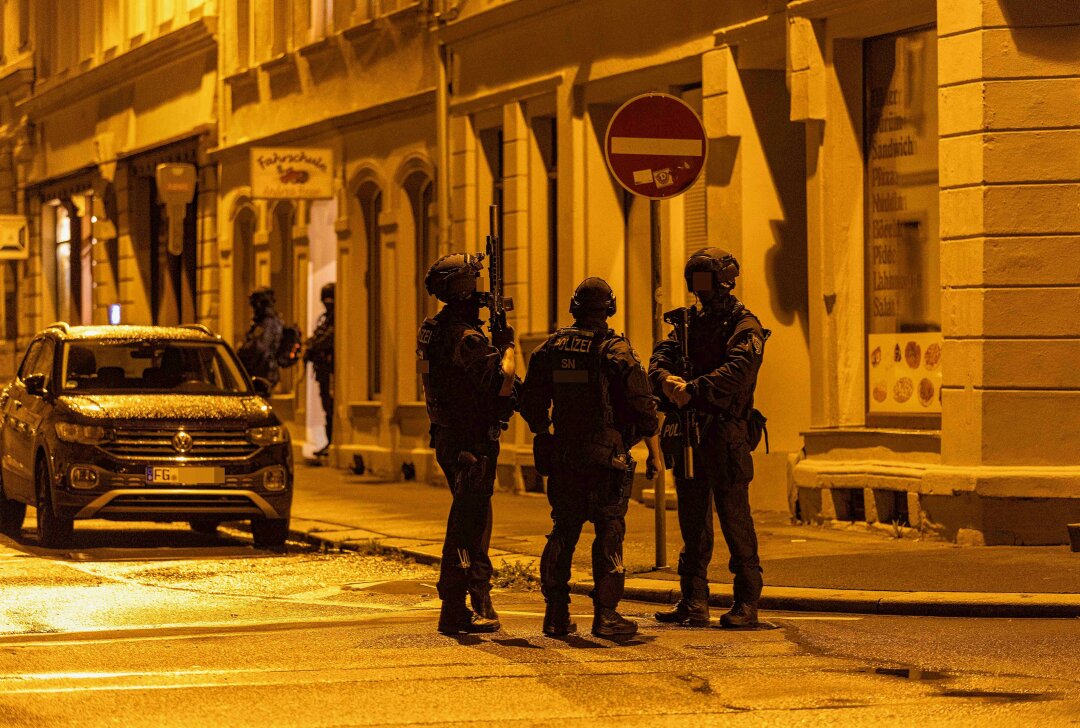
point(326, 397)
point(465, 564)
point(714, 484)
point(577, 496)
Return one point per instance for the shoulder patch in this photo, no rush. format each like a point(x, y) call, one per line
point(757, 343)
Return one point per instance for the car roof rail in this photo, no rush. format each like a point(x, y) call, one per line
point(198, 327)
point(62, 325)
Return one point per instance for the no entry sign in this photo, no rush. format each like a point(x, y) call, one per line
point(655, 146)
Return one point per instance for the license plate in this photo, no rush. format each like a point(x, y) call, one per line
point(184, 476)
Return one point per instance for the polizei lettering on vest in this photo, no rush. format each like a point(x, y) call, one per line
point(572, 343)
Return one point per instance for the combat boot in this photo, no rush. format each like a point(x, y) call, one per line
point(686, 614)
point(557, 622)
point(743, 615)
point(481, 604)
point(609, 623)
point(456, 618)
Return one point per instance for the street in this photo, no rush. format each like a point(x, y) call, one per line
point(157, 626)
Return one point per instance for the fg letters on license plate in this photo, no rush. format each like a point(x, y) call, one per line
point(184, 476)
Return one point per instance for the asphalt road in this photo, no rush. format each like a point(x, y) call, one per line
point(160, 627)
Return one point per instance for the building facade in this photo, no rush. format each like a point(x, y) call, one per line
point(897, 178)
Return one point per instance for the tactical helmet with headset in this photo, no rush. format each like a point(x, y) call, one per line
point(715, 262)
point(593, 295)
point(262, 296)
point(453, 277)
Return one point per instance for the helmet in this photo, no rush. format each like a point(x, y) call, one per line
point(327, 292)
point(718, 263)
point(453, 277)
point(593, 295)
point(262, 296)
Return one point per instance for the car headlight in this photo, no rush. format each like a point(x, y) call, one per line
point(268, 435)
point(82, 434)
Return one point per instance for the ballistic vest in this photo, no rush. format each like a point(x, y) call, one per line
point(450, 399)
point(581, 406)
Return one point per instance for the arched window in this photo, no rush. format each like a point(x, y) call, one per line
point(370, 198)
point(244, 277)
point(281, 271)
point(421, 193)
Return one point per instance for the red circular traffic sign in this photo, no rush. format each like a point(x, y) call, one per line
point(655, 146)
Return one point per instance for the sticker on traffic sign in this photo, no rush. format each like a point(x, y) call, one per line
point(655, 146)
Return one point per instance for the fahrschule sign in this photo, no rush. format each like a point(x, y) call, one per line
point(292, 173)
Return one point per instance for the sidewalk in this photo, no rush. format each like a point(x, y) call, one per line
point(806, 567)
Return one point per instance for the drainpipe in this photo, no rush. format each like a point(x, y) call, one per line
point(442, 130)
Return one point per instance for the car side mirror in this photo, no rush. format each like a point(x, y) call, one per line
point(35, 385)
point(261, 386)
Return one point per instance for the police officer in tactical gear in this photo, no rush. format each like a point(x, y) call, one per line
point(601, 405)
point(319, 351)
point(468, 383)
point(258, 351)
point(726, 343)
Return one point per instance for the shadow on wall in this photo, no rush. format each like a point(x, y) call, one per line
point(784, 144)
point(1030, 31)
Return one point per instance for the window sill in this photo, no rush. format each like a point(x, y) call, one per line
point(829, 440)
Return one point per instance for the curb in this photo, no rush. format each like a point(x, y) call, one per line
point(983, 605)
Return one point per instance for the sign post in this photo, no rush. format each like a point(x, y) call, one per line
point(656, 147)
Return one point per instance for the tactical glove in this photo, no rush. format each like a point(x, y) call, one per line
point(503, 338)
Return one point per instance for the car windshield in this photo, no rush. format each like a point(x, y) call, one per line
point(105, 366)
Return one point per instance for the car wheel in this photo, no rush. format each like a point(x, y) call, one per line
point(207, 526)
point(270, 533)
point(12, 514)
point(54, 532)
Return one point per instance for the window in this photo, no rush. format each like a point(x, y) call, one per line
point(243, 34)
point(280, 28)
point(491, 141)
point(543, 128)
point(421, 193)
point(136, 18)
point(903, 285)
point(24, 24)
point(141, 366)
point(11, 300)
point(111, 24)
point(371, 209)
point(30, 358)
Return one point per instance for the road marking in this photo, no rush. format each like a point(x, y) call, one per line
point(656, 146)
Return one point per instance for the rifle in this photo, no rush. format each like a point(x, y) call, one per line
point(496, 302)
point(680, 319)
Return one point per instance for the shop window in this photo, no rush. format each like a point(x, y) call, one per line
point(903, 284)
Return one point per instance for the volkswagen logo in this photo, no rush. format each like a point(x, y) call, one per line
point(182, 442)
